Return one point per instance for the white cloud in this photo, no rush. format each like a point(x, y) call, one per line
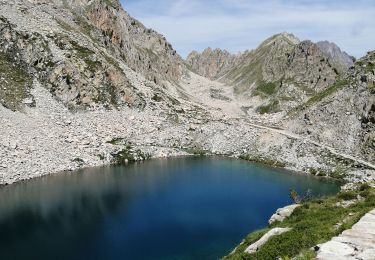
point(242, 24)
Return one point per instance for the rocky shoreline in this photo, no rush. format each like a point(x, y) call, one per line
point(86, 85)
point(48, 138)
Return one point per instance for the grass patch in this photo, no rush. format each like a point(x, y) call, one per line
point(123, 157)
point(339, 84)
point(312, 223)
point(128, 155)
point(15, 82)
point(109, 3)
point(272, 107)
point(268, 88)
point(370, 65)
point(339, 173)
point(347, 195)
point(250, 239)
point(263, 160)
point(86, 55)
point(85, 27)
point(197, 151)
point(364, 186)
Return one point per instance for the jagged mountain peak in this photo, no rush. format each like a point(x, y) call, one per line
point(336, 54)
point(211, 63)
point(284, 36)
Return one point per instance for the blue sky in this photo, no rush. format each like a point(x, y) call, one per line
point(237, 25)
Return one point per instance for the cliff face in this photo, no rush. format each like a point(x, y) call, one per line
point(278, 75)
point(344, 116)
point(212, 63)
point(79, 49)
point(338, 57)
point(285, 102)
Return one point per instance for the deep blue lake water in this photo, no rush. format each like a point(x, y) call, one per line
point(185, 208)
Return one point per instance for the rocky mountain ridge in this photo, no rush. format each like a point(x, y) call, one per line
point(84, 84)
point(212, 63)
point(344, 116)
point(280, 74)
point(340, 58)
point(78, 50)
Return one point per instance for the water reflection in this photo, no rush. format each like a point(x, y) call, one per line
point(177, 208)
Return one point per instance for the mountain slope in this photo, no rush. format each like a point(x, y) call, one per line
point(280, 74)
point(79, 50)
point(344, 117)
point(337, 56)
point(212, 63)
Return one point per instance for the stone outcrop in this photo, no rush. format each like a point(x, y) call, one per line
point(343, 117)
point(212, 63)
point(338, 57)
point(355, 243)
point(78, 50)
point(83, 84)
point(273, 232)
point(280, 74)
point(283, 213)
point(73, 67)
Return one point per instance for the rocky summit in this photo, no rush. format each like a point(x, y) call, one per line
point(84, 84)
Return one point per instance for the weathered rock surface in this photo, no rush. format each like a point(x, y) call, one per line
point(78, 50)
point(280, 74)
point(273, 232)
point(84, 84)
point(338, 57)
point(343, 118)
point(283, 213)
point(212, 63)
point(355, 243)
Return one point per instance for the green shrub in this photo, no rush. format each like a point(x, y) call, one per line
point(339, 84)
point(15, 83)
point(364, 186)
point(347, 195)
point(364, 193)
point(339, 173)
point(272, 107)
point(314, 222)
point(263, 160)
point(197, 151)
point(267, 88)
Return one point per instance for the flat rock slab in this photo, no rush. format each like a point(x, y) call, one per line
point(283, 213)
point(273, 232)
point(355, 243)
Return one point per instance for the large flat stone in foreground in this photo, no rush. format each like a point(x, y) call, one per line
point(355, 243)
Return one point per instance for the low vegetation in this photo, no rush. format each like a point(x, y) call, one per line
point(315, 222)
point(339, 84)
point(268, 88)
point(263, 160)
point(272, 107)
point(128, 155)
point(87, 56)
point(339, 173)
point(14, 83)
point(197, 151)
